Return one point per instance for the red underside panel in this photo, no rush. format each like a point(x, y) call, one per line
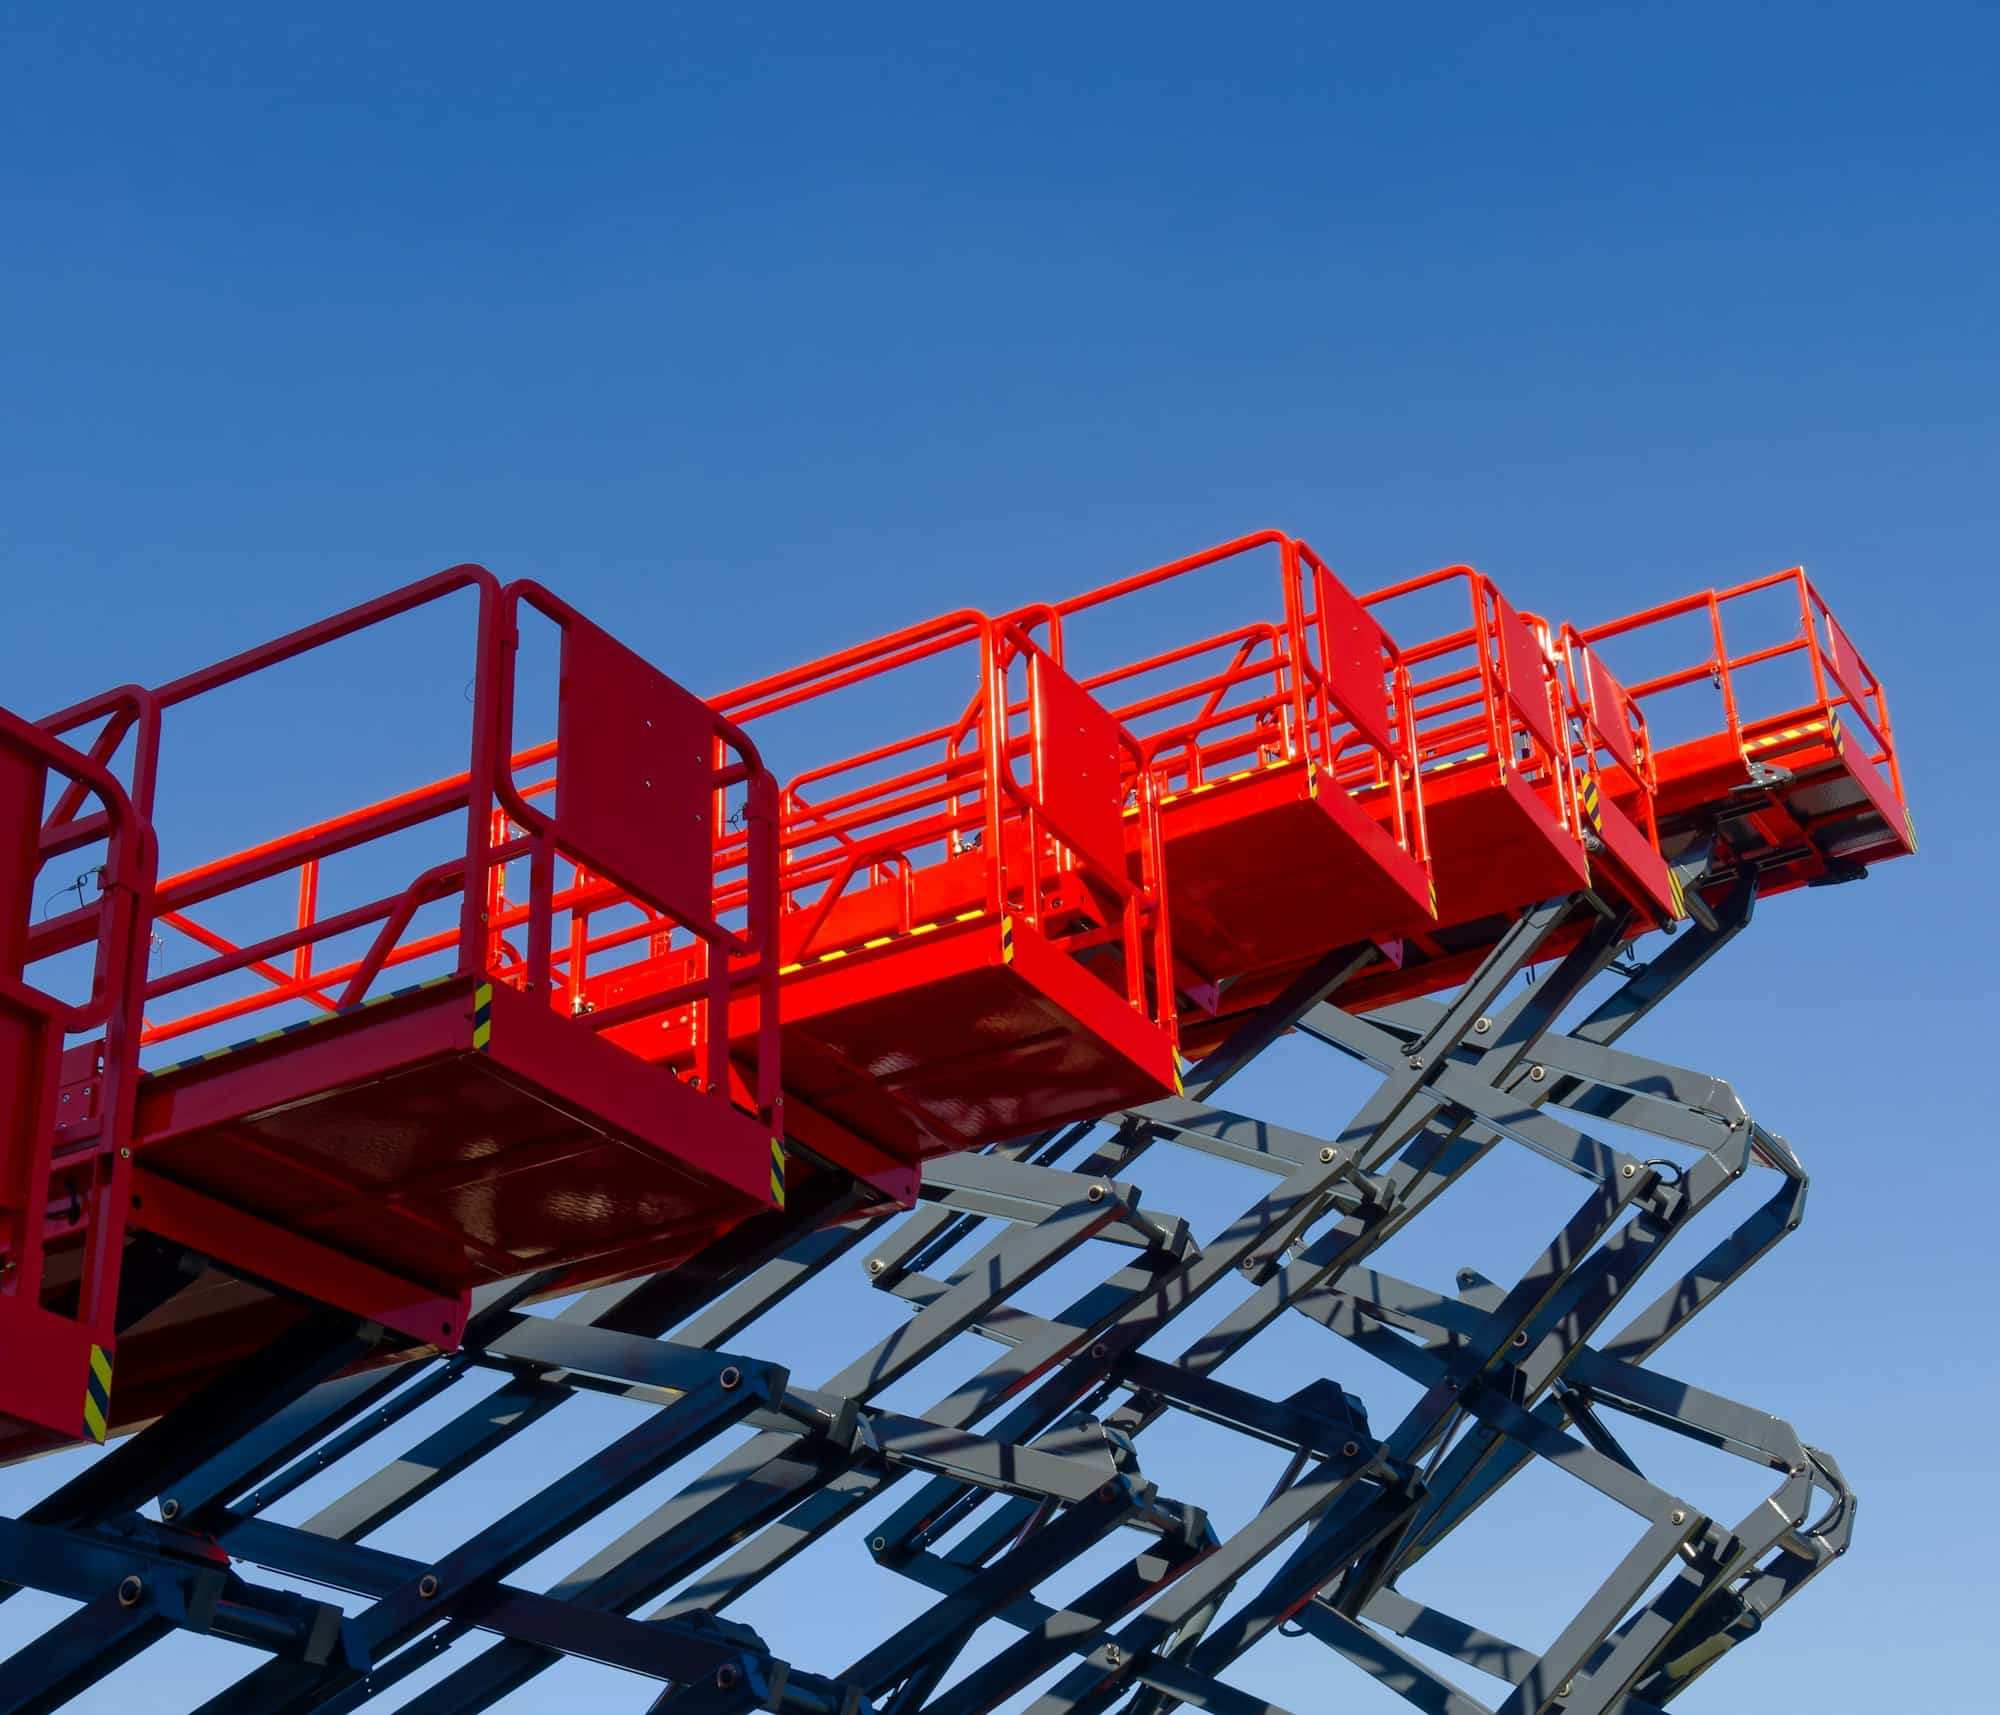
point(1831, 806)
point(392, 1138)
point(1496, 847)
point(1261, 870)
point(1628, 867)
point(961, 1035)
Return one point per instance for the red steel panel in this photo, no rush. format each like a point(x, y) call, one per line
point(1607, 712)
point(636, 761)
point(1077, 774)
point(1521, 659)
point(1353, 665)
point(1845, 664)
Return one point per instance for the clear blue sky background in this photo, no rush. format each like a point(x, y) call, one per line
point(756, 333)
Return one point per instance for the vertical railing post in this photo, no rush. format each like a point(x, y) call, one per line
point(495, 636)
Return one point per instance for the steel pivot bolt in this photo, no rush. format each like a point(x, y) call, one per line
point(1538, 1073)
point(1677, 1517)
point(170, 1509)
point(1482, 1025)
point(1628, 1170)
point(726, 1675)
point(1416, 1062)
point(130, 1588)
point(1326, 1156)
point(427, 1586)
point(1113, 1655)
point(730, 1376)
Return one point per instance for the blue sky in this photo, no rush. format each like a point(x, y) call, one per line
point(755, 335)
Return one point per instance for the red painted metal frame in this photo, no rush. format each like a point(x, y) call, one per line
point(1302, 713)
point(48, 1357)
point(1618, 783)
point(930, 837)
point(1268, 737)
point(966, 800)
point(507, 820)
point(1843, 728)
point(1488, 707)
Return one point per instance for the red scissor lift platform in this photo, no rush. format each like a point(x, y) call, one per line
point(1280, 751)
point(1782, 759)
point(971, 948)
point(394, 1146)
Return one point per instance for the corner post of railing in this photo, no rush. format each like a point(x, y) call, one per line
point(760, 849)
point(1492, 674)
point(993, 742)
point(1723, 679)
point(492, 708)
point(1292, 568)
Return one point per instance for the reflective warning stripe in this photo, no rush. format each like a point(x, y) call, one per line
point(97, 1393)
point(1592, 812)
point(482, 1017)
point(870, 946)
point(1792, 734)
point(1006, 939)
point(1839, 738)
point(1434, 895)
point(303, 1024)
point(778, 1172)
point(1678, 894)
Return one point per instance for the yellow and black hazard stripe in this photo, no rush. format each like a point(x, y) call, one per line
point(482, 1018)
point(302, 1024)
point(1677, 893)
point(1006, 939)
point(97, 1393)
point(1838, 736)
point(1593, 811)
point(836, 954)
point(1792, 734)
point(777, 1172)
point(1432, 880)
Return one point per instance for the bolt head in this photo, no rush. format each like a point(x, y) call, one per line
point(1678, 1516)
point(130, 1588)
point(726, 1675)
point(1538, 1073)
point(1628, 1170)
point(170, 1509)
point(1482, 1025)
point(427, 1586)
point(1326, 1155)
point(1350, 1449)
point(730, 1376)
point(874, 1265)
